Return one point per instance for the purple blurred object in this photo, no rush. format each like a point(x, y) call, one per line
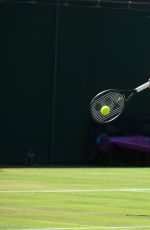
point(138, 142)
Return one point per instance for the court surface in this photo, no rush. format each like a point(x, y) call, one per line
point(74, 198)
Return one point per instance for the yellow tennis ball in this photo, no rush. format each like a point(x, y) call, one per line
point(105, 110)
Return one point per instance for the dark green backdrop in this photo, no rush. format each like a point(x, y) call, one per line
point(97, 49)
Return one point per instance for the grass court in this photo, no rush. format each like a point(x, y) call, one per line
point(74, 198)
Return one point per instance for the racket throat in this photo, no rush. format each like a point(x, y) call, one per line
point(128, 94)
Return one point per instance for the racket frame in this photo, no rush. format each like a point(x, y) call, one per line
point(127, 94)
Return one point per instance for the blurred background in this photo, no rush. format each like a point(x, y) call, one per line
point(55, 56)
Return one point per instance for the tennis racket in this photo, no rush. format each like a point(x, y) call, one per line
point(115, 99)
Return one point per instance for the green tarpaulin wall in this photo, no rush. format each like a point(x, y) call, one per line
point(96, 49)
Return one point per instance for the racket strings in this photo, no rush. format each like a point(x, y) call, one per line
point(109, 96)
point(114, 100)
point(102, 118)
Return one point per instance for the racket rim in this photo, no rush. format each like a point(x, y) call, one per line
point(131, 92)
point(122, 92)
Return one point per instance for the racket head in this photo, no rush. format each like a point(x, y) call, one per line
point(116, 100)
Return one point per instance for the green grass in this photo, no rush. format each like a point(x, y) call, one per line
point(29, 210)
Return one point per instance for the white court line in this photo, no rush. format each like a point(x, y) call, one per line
point(84, 228)
point(78, 190)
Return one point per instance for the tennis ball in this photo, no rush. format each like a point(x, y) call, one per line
point(105, 110)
